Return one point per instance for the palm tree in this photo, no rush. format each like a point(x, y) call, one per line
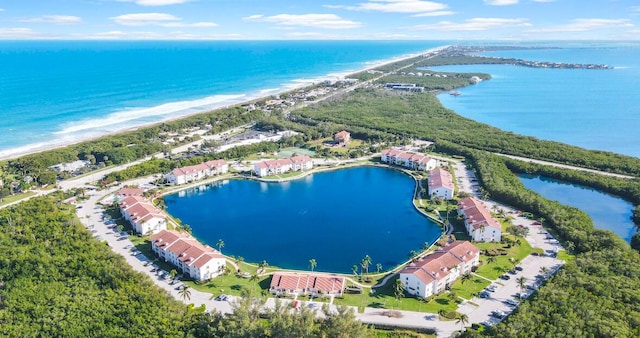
point(442, 313)
point(491, 259)
point(544, 270)
point(398, 289)
point(365, 263)
point(220, 245)
point(512, 261)
point(185, 293)
point(463, 320)
point(378, 267)
point(173, 273)
point(465, 278)
point(522, 283)
point(313, 263)
point(413, 254)
point(354, 269)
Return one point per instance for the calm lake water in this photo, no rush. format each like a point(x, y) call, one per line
point(607, 212)
point(335, 217)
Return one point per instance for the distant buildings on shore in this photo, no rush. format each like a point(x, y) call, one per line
point(408, 159)
point(480, 225)
point(197, 172)
point(342, 137)
point(406, 87)
point(200, 262)
point(281, 166)
point(435, 272)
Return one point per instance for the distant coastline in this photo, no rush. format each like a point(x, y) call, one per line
point(211, 106)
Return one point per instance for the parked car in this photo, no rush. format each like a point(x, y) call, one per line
point(484, 294)
point(518, 268)
point(491, 288)
point(498, 314)
point(511, 302)
point(505, 277)
point(513, 271)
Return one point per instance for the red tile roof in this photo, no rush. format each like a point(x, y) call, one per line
point(188, 249)
point(324, 283)
point(438, 265)
point(476, 214)
point(130, 192)
point(440, 178)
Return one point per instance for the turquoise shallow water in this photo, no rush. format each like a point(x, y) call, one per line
point(63, 91)
point(594, 109)
point(334, 217)
point(607, 212)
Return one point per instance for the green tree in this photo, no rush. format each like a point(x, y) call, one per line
point(522, 283)
point(492, 259)
point(465, 278)
point(398, 289)
point(354, 269)
point(462, 319)
point(220, 245)
point(185, 293)
point(312, 263)
point(378, 268)
point(366, 261)
point(342, 323)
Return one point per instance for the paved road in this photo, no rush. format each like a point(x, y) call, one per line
point(553, 164)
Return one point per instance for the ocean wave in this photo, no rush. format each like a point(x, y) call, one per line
point(175, 109)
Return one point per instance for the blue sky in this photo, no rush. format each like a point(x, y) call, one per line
point(321, 19)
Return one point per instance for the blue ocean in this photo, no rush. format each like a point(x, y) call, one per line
point(55, 92)
point(593, 109)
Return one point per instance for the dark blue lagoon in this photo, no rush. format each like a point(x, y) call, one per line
point(607, 212)
point(335, 217)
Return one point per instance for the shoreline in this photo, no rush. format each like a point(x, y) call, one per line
point(258, 94)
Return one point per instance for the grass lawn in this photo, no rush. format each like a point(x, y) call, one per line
point(471, 287)
point(384, 298)
point(17, 197)
point(288, 152)
point(494, 270)
point(231, 284)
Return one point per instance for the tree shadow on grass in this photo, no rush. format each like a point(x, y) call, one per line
point(376, 305)
point(442, 301)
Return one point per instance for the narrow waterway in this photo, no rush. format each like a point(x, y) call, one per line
point(607, 212)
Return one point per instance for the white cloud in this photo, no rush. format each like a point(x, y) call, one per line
point(195, 24)
point(328, 21)
point(476, 24)
point(157, 19)
point(21, 33)
point(544, 0)
point(395, 6)
point(1, 9)
point(635, 8)
point(500, 2)
point(147, 35)
point(156, 2)
point(581, 25)
point(55, 19)
point(436, 13)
